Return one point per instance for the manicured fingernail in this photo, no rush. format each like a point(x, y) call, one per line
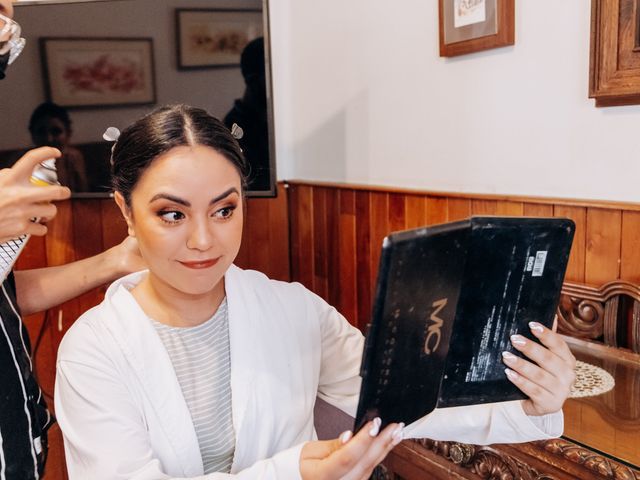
point(518, 340)
point(511, 374)
point(398, 434)
point(375, 428)
point(509, 357)
point(536, 327)
point(346, 436)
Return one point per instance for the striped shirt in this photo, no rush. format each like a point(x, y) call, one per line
point(201, 359)
point(24, 418)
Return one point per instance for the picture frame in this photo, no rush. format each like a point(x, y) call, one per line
point(469, 26)
point(214, 38)
point(614, 63)
point(98, 72)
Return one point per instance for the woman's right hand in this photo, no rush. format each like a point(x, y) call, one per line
point(349, 458)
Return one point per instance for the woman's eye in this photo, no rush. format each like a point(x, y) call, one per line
point(224, 212)
point(171, 217)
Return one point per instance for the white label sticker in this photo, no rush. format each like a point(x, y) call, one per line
point(538, 265)
point(530, 264)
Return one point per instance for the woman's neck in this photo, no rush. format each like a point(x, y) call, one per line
point(172, 307)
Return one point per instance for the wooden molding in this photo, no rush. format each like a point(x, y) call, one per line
point(570, 202)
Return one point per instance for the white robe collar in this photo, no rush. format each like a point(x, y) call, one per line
point(150, 361)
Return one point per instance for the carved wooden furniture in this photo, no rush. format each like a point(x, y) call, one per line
point(602, 433)
point(609, 314)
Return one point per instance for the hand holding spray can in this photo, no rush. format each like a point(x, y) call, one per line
point(43, 175)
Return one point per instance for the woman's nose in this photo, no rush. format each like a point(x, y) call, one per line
point(201, 237)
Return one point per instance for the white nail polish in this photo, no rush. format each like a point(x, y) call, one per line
point(536, 327)
point(518, 340)
point(511, 374)
point(509, 357)
point(346, 436)
point(398, 434)
point(375, 428)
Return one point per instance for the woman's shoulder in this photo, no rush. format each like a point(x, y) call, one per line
point(263, 286)
point(96, 329)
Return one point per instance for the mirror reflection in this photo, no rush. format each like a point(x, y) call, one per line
point(63, 92)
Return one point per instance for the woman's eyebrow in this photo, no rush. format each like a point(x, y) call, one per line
point(224, 194)
point(181, 201)
point(171, 198)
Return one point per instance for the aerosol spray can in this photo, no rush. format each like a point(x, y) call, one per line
point(43, 175)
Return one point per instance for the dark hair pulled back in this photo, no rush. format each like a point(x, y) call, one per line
point(162, 130)
point(49, 110)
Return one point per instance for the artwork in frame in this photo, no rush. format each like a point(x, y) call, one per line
point(209, 38)
point(468, 26)
point(98, 72)
point(614, 67)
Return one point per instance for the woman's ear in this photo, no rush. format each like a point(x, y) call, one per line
point(126, 212)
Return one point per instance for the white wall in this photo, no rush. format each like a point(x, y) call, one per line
point(362, 96)
point(23, 89)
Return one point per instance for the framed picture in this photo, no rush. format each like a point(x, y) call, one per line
point(614, 67)
point(209, 38)
point(468, 26)
point(98, 72)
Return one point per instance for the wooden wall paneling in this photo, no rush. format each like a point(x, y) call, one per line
point(56, 465)
point(458, 209)
point(114, 227)
point(320, 243)
point(34, 254)
point(576, 267)
point(397, 212)
point(300, 204)
point(61, 250)
point(510, 209)
point(630, 249)
point(602, 256)
point(537, 210)
point(484, 207)
point(364, 287)
point(415, 208)
point(59, 245)
point(437, 210)
point(280, 268)
point(242, 259)
point(87, 241)
point(348, 302)
point(294, 231)
point(379, 223)
point(332, 205)
point(257, 233)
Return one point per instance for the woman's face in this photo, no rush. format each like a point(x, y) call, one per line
point(50, 132)
point(186, 212)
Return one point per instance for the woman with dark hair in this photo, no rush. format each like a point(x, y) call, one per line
point(199, 369)
point(50, 126)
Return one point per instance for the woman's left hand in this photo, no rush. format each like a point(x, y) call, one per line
point(548, 378)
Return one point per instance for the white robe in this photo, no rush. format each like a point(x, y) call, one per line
point(123, 415)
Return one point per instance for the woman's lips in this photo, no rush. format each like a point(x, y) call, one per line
point(200, 263)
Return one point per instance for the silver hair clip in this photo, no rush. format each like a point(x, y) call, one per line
point(111, 134)
point(236, 131)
